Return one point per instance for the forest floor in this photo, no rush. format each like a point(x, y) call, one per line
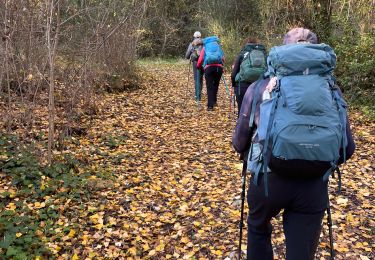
point(165, 183)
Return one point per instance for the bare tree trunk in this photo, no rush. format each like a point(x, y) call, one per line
point(6, 63)
point(200, 17)
point(51, 46)
point(140, 21)
point(164, 41)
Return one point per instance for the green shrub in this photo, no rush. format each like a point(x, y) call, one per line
point(356, 67)
point(23, 236)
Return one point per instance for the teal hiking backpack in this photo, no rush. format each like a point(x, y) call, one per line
point(213, 54)
point(302, 126)
point(253, 64)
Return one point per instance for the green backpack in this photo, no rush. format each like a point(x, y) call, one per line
point(253, 64)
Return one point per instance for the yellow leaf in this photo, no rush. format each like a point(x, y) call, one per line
point(350, 218)
point(75, 257)
point(91, 209)
point(238, 166)
point(342, 249)
point(60, 222)
point(12, 194)
point(146, 247)
point(160, 247)
point(99, 226)
point(84, 239)
point(18, 234)
point(11, 206)
point(342, 201)
point(132, 250)
point(197, 223)
point(152, 253)
point(71, 234)
point(39, 205)
point(217, 252)
point(94, 218)
point(185, 240)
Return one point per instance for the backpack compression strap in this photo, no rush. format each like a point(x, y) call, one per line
point(340, 107)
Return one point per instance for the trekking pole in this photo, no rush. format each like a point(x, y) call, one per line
point(226, 86)
point(244, 166)
point(197, 88)
point(329, 223)
point(244, 169)
point(230, 102)
point(188, 77)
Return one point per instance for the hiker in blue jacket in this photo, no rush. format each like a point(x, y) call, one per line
point(304, 199)
point(211, 60)
point(192, 54)
point(240, 85)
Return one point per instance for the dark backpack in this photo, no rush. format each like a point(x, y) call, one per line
point(197, 45)
point(253, 63)
point(213, 54)
point(302, 126)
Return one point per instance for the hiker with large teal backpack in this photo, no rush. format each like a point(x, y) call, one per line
point(249, 65)
point(211, 61)
point(192, 53)
point(301, 136)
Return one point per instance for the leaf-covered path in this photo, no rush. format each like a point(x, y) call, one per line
point(175, 188)
point(175, 192)
point(165, 182)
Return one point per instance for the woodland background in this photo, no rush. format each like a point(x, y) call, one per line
point(80, 46)
point(59, 57)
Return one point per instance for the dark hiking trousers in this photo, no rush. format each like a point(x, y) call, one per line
point(198, 81)
point(212, 76)
point(304, 203)
point(239, 91)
